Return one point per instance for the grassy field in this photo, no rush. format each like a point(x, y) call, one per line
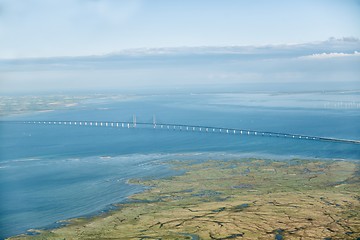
point(239, 199)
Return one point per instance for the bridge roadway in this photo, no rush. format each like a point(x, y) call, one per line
point(184, 127)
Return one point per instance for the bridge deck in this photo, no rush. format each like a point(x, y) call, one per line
point(184, 127)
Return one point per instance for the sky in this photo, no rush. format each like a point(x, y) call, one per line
point(43, 28)
point(114, 45)
point(331, 65)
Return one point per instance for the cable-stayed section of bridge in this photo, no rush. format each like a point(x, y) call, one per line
point(184, 128)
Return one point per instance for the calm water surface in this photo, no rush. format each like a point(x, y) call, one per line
point(50, 173)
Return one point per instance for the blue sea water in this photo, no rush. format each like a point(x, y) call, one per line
point(50, 173)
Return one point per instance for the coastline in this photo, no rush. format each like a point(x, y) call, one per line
point(212, 200)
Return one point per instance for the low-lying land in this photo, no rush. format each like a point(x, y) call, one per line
point(242, 199)
point(12, 105)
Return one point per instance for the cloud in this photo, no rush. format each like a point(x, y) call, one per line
point(271, 66)
point(330, 55)
point(344, 39)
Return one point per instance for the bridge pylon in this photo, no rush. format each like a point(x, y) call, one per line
point(134, 121)
point(154, 121)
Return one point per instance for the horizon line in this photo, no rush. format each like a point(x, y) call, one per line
point(143, 51)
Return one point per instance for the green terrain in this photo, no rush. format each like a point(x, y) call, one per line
point(13, 105)
point(239, 199)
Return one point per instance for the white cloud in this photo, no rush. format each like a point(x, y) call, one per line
point(330, 55)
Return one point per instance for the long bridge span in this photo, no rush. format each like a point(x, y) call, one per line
point(184, 127)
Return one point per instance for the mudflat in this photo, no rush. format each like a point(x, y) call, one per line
point(237, 199)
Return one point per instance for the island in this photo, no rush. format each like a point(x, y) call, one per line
point(233, 199)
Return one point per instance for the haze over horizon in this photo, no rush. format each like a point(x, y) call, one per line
point(108, 45)
point(322, 66)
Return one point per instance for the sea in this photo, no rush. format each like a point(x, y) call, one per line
point(51, 173)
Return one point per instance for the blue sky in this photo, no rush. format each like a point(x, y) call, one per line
point(43, 28)
point(285, 45)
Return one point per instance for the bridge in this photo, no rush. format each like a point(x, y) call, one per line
point(184, 127)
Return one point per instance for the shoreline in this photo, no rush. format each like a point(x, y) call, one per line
point(160, 193)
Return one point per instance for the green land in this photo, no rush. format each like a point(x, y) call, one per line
point(14, 105)
point(240, 199)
